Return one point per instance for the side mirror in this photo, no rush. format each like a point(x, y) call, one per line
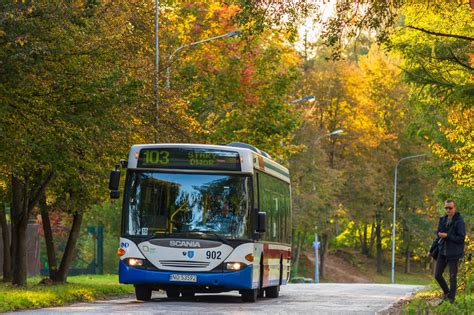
point(114, 194)
point(261, 222)
point(114, 181)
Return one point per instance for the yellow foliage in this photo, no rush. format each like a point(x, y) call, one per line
point(459, 132)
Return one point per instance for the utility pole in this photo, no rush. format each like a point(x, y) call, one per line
point(395, 210)
point(157, 70)
point(316, 255)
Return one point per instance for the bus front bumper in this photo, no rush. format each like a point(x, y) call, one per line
point(231, 280)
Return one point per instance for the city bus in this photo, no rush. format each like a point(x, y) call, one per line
point(204, 219)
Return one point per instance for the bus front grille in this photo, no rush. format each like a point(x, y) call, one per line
point(184, 263)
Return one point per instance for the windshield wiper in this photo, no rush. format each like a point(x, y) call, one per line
point(223, 240)
point(217, 235)
point(156, 236)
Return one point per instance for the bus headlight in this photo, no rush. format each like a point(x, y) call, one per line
point(234, 265)
point(135, 262)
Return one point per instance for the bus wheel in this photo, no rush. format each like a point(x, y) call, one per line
point(142, 293)
point(272, 292)
point(188, 294)
point(172, 294)
point(249, 295)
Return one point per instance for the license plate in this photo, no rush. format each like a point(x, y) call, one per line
point(186, 278)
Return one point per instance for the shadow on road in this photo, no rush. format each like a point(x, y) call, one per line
point(207, 298)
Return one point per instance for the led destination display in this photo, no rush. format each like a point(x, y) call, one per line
point(182, 158)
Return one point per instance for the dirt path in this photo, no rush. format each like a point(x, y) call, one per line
point(339, 270)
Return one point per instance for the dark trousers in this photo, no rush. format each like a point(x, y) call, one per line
point(441, 264)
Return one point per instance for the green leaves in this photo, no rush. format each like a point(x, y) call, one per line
point(436, 46)
point(64, 93)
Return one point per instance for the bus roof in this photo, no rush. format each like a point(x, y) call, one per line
point(250, 160)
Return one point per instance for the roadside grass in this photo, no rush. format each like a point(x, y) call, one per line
point(426, 302)
point(414, 278)
point(85, 288)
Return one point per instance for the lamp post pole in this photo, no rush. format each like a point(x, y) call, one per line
point(157, 71)
point(170, 59)
point(316, 240)
point(395, 209)
point(316, 255)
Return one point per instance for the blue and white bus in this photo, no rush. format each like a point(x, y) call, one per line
point(202, 219)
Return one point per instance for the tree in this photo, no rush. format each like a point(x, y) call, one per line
point(436, 47)
point(237, 88)
point(60, 85)
point(7, 263)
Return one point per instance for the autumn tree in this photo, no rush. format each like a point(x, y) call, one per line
point(236, 88)
point(436, 49)
point(63, 97)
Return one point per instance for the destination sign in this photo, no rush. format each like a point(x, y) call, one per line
point(192, 158)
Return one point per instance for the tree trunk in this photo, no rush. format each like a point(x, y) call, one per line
point(361, 238)
point(7, 259)
point(293, 244)
point(407, 250)
point(68, 256)
point(324, 250)
point(407, 259)
point(378, 235)
point(372, 240)
point(19, 226)
point(298, 252)
point(365, 248)
point(48, 238)
point(21, 209)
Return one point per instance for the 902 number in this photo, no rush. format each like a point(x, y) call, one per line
point(213, 254)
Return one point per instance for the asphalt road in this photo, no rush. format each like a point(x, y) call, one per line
point(326, 298)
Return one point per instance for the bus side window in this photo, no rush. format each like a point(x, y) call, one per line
point(275, 201)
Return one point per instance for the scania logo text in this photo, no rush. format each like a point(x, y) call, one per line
point(184, 244)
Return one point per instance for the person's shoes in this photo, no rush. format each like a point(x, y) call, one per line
point(444, 299)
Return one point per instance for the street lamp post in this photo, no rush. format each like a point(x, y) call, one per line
point(395, 209)
point(170, 59)
point(316, 263)
point(316, 242)
point(157, 70)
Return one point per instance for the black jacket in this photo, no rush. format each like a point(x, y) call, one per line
point(454, 242)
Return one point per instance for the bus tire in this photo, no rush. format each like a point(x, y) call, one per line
point(172, 294)
point(188, 294)
point(142, 293)
point(249, 295)
point(272, 292)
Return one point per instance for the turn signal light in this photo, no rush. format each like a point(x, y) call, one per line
point(120, 251)
point(249, 257)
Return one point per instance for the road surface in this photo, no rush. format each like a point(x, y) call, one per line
point(325, 298)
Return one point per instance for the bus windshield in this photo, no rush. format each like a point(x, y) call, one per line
point(174, 203)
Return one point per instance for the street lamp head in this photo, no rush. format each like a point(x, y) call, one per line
point(336, 132)
point(234, 33)
point(309, 98)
